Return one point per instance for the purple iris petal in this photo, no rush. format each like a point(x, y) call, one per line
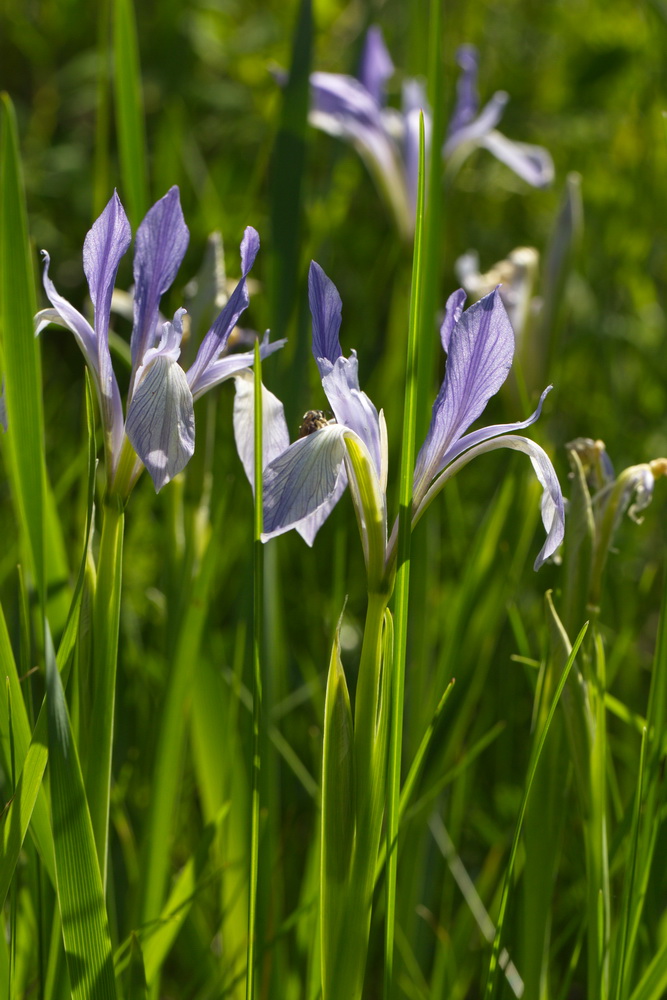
point(481, 348)
point(532, 163)
point(352, 407)
point(71, 318)
point(304, 479)
point(467, 99)
point(475, 131)
point(453, 311)
point(162, 239)
point(376, 66)
point(224, 368)
point(106, 242)
point(160, 417)
point(275, 435)
point(326, 309)
point(216, 339)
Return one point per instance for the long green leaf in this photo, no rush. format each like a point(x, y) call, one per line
point(23, 395)
point(129, 111)
point(79, 884)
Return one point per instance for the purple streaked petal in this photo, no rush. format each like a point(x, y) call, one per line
point(325, 308)
point(105, 244)
point(532, 163)
point(72, 319)
point(352, 407)
point(310, 525)
point(453, 312)
point(160, 420)
point(275, 435)
point(481, 348)
point(475, 131)
point(225, 368)
point(162, 239)
point(216, 339)
point(376, 66)
point(467, 100)
point(304, 479)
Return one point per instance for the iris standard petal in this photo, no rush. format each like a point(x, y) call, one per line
point(303, 479)
point(467, 100)
point(160, 420)
point(532, 163)
point(352, 407)
point(473, 133)
point(162, 239)
point(275, 435)
point(375, 67)
point(216, 339)
point(481, 347)
point(453, 312)
point(325, 308)
point(106, 242)
point(224, 368)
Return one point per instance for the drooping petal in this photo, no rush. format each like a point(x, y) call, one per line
point(325, 308)
point(162, 239)
point(160, 420)
point(352, 407)
point(225, 368)
point(275, 435)
point(453, 312)
point(481, 347)
point(105, 244)
point(376, 66)
point(342, 107)
point(532, 163)
point(216, 339)
point(71, 318)
point(473, 133)
point(303, 479)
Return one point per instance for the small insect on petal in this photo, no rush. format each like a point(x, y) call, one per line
point(313, 420)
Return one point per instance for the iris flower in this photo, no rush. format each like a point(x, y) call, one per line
point(355, 109)
point(159, 427)
point(303, 481)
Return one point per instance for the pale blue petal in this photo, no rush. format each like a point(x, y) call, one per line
point(376, 66)
point(303, 479)
point(475, 131)
point(225, 368)
point(71, 318)
point(162, 239)
point(532, 163)
point(453, 313)
point(326, 309)
point(160, 420)
point(275, 435)
point(105, 244)
point(467, 100)
point(352, 407)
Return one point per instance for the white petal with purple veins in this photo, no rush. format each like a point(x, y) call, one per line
point(275, 435)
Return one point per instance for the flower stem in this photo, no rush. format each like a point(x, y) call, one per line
point(106, 617)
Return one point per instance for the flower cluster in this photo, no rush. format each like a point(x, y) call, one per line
point(158, 431)
point(355, 109)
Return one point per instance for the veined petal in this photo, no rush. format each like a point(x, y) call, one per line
point(310, 525)
point(376, 66)
point(303, 479)
point(352, 407)
point(216, 339)
point(532, 163)
point(481, 347)
point(275, 435)
point(71, 318)
point(453, 313)
point(105, 244)
point(325, 308)
point(224, 368)
point(162, 239)
point(160, 420)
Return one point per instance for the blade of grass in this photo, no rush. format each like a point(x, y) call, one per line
point(492, 978)
point(23, 396)
point(79, 885)
point(129, 104)
point(403, 571)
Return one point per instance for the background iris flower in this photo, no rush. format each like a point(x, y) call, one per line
point(304, 481)
point(355, 109)
point(160, 425)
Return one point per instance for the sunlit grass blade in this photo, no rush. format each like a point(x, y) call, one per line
point(129, 106)
point(403, 569)
point(492, 978)
point(286, 176)
point(653, 983)
point(134, 978)
point(23, 392)
point(79, 885)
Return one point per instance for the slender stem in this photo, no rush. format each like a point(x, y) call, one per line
point(258, 587)
point(106, 617)
point(403, 576)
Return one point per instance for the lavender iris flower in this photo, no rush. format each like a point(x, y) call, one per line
point(304, 481)
point(355, 109)
point(160, 415)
